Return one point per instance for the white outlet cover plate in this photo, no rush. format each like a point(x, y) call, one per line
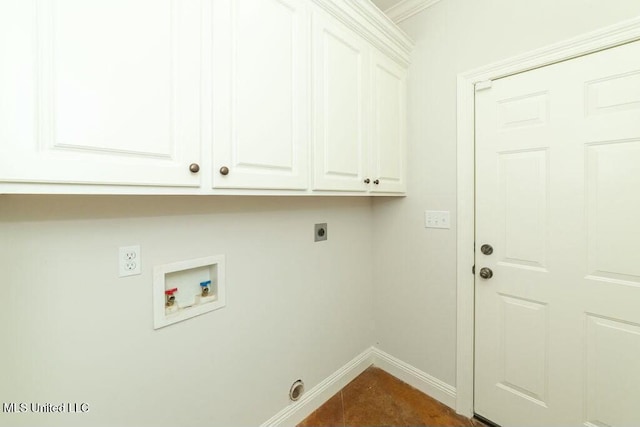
point(437, 219)
point(129, 261)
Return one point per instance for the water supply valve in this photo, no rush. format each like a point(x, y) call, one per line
point(169, 297)
point(206, 288)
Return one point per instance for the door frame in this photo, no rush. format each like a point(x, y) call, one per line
point(617, 34)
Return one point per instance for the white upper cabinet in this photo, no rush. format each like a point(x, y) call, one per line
point(340, 106)
point(358, 112)
point(201, 97)
point(100, 92)
point(388, 142)
point(260, 94)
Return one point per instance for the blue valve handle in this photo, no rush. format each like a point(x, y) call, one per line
point(205, 284)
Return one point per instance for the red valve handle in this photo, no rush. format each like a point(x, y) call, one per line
point(170, 291)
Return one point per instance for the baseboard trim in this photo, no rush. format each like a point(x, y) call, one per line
point(295, 412)
point(413, 376)
point(318, 395)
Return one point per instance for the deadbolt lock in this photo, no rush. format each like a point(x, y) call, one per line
point(486, 249)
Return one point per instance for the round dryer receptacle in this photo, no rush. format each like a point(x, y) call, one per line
point(296, 390)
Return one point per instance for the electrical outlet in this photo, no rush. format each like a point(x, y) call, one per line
point(129, 260)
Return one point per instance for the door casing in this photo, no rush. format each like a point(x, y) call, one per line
point(608, 37)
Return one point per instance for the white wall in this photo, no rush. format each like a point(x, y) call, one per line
point(415, 275)
point(72, 331)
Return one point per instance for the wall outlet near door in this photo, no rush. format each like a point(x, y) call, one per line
point(437, 219)
point(129, 260)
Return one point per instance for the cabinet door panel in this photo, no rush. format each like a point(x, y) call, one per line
point(101, 100)
point(260, 96)
point(340, 102)
point(388, 142)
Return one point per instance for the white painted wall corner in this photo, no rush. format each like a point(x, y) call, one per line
point(314, 398)
point(413, 376)
point(318, 395)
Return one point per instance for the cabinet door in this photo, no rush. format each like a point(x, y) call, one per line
point(388, 158)
point(100, 92)
point(260, 96)
point(340, 99)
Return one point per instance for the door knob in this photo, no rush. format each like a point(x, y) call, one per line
point(486, 249)
point(486, 273)
point(194, 167)
point(224, 170)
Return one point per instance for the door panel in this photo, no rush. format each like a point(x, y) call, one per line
point(612, 186)
point(613, 94)
point(557, 178)
point(524, 111)
point(523, 350)
point(523, 207)
point(613, 371)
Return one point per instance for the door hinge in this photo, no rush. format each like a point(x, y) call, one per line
point(473, 270)
point(483, 85)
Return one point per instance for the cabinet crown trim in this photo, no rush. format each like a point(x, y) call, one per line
point(371, 23)
point(408, 8)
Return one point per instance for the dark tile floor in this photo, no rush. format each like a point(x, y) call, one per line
point(376, 398)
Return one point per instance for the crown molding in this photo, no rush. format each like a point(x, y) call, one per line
point(407, 8)
point(366, 19)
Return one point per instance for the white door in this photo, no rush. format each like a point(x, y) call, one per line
point(340, 100)
point(388, 157)
point(558, 199)
point(260, 94)
point(100, 92)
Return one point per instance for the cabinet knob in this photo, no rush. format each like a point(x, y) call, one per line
point(194, 167)
point(366, 181)
point(376, 182)
point(224, 170)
